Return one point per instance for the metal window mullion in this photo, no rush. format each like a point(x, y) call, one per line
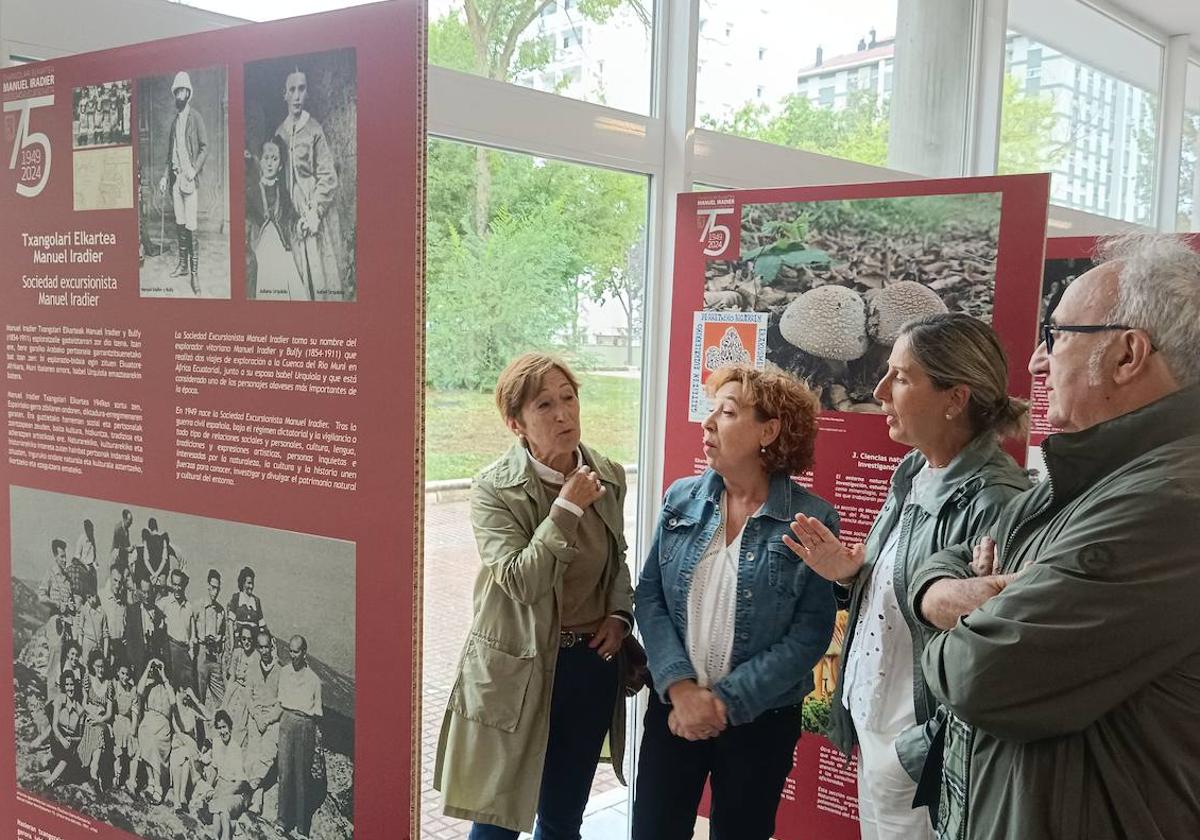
point(987, 83)
point(1169, 151)
point(674, 97)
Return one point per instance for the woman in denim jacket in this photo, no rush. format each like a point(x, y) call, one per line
point(733, 622)
point(944, 394)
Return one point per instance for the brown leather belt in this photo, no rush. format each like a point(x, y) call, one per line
point(570, 638)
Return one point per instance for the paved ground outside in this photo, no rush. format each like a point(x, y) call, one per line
point(451, 563)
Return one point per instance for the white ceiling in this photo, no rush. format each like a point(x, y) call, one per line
point(1171, 17)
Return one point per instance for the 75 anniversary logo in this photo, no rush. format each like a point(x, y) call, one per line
point(31, 149)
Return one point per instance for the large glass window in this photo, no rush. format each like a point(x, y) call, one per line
point(260, 10)
point(1081, 102)
point(523, 253)
point(806, 75)
point(1189, 170)
point(596, 50)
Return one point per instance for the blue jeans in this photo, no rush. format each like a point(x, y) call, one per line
point(581, 710)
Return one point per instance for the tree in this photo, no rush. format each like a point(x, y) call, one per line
point(491, 39)
point(480, 313)
point(591, 220)
point(1027, 124)
point(545, 232)
point(856, 132)
point(859, 131)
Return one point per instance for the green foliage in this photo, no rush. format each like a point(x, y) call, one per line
point(450, 44)
point(556, 232)
point(492, 38)
point(857, 132)
point(815, 716)
point(493, 297)
point(786, 246)
point(1027, 123)
point(515, 242)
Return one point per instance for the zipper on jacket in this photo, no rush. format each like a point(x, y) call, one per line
point(1008, 542)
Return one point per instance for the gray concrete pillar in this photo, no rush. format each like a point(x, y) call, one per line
point(929, 111)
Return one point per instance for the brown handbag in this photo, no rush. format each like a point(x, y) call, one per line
point(632, 665)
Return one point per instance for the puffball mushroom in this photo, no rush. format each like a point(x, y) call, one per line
point(829, 322)
point(891, 307)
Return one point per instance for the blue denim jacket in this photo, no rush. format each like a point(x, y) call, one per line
point(784, 617)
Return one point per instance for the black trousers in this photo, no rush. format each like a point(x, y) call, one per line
point(746, 766)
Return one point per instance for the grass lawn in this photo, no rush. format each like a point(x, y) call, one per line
point(464, 432)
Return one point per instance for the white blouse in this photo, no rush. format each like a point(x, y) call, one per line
point(712, 606)
point(879, 666)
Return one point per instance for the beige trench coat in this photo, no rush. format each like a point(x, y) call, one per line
point(494, 734)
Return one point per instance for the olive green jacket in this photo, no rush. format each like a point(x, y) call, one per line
point(493, 740)
point(1080, 682)
point(966, 499)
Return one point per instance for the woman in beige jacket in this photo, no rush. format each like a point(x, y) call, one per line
point(537, 687)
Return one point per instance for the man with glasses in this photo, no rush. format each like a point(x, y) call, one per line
point(1070, 665)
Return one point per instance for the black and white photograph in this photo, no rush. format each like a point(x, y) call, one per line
point(839, 278)
point(102, 160)
point(181, 676)
point(101, 115)
point(183, 183)
point(301, 157)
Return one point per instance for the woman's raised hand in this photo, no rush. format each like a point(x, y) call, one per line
point(582, 488)
point(822, 552)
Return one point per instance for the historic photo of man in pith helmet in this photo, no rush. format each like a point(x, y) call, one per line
point(182, 149)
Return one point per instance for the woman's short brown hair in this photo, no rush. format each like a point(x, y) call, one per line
point(777, 396)
point(520, 381)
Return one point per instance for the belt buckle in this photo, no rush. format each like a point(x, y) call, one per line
point(568, 638)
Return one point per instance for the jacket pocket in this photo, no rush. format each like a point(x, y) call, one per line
point(492, 685)
point(783, 570)
point(677, 531)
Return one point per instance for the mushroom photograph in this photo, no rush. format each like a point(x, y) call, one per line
point(840, 278)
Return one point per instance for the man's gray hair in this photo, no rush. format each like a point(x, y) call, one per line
point(1158, 290)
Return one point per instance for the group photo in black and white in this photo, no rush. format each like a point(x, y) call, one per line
point(177, 675)
point(183, 183)
point(301, 155)
point(102, 115)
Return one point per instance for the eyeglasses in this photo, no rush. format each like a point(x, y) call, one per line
point(1049, 329)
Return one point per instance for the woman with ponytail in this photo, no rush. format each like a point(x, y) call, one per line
point(945, 394)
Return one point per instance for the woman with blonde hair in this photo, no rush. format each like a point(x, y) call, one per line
point(537, 686)
point(945, 394)
point(733, 623)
